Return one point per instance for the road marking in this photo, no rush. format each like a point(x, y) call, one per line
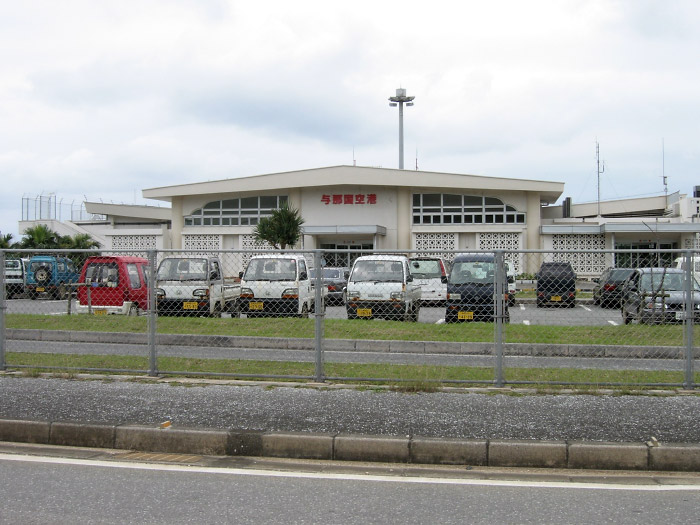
point(522, 306)
point(526, 322)
point(440, 321)
point(612, 323)
point(346, 477)
point(585, 308)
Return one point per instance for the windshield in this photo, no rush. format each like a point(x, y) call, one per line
point(12, 264)
point(670, 282)
point(473, 272)
point(177, 269)
point(429, 269)
point(271, 270)
point(377, 271)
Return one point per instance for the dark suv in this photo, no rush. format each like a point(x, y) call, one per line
point(657, 295)
point(608, 288)
point(53, 276)
point(471, 289)
point(556, 284)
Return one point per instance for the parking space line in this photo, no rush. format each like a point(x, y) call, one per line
point(612, 323)
point(585, 307)
point(522, 306)
point(526, 322)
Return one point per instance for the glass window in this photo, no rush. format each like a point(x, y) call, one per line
point(431, 199)
point(230, 204)
point(449, 199)
point(134, 279)
point(268, 202)
point(249, 203)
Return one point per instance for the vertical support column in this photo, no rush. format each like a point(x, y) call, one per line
point(319, 314)
point(152, 316)
point(177, 222)
point(689, 321)
point(3, 307)
point(500, 306)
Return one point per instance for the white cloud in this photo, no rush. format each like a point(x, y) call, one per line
point(101, 99)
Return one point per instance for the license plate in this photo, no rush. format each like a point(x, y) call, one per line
point(100, 312)
point(555, 298)
point(364, 312)
point(40, 289)
point(466, 316)
point(680, 316)
point(190, 305)
point(255, 306)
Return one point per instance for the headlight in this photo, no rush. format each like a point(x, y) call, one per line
point(397, 296)
point(454, 296)
point(201, 292)
point(290, 293)
point(353, 294)
point(160, 293)
point(246, 293)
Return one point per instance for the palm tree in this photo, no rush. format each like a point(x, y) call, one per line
point(281, 229)
point(6, 241)
point(40, 237)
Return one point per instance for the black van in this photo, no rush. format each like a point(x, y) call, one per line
point(471, 289)
point(556, 285)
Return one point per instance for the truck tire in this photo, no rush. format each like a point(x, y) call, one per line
point(304, 311)
point(234, 309)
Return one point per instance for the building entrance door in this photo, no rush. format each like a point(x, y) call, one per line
point(347, 254)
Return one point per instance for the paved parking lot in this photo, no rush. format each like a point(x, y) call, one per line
point(521, 313)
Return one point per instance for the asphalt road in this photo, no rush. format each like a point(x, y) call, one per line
point(45, 490)
point(301, 408)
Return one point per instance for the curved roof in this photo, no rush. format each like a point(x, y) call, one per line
point(356, 175)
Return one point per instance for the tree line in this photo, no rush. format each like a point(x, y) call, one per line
point(41, 237)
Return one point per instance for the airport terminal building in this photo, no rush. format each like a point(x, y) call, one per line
point(364, 208)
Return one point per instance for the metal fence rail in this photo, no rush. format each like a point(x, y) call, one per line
point(507, 317)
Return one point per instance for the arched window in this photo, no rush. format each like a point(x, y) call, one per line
point(246, 211)
point(450, 208)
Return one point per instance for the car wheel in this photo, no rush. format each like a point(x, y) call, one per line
point(234, 309)
point(62, 291)
point(626, 319)
point(304, 311)
point(133, 311)
point(42, 274)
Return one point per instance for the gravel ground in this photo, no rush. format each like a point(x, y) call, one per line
point(465, 415)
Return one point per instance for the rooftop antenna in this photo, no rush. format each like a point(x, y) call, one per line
point(600, 169)
point(416, 159)
point(663, 169)
point(354, 162)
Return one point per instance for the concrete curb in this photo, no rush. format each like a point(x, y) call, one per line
point(354, 345)
point(355, 447)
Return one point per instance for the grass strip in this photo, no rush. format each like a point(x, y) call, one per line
point(640, 335)
point(417, 374)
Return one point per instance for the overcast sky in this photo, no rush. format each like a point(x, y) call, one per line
point(101, 99)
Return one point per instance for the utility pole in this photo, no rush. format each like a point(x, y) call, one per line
point(399, 100)
point(600, 169)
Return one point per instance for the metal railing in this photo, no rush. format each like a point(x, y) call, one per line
point(447, 317)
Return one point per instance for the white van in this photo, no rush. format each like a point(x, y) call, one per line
point(695, 261)
point(15, 276)
point(277, 285)
point(382, 286)
point(430, 274)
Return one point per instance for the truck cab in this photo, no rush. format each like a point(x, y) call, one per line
point(277, 285)
point(382, 286)
point(194, 285)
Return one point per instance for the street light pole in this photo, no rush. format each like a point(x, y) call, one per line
point(399, 100)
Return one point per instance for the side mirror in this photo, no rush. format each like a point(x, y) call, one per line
point(240, 275)
point(511, 279)
point(443, 279)
point(303, 276)
point(214, 276)
point(409, 278)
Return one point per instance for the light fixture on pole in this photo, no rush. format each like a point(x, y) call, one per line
point(399, 100)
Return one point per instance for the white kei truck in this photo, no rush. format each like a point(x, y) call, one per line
point(194, 285)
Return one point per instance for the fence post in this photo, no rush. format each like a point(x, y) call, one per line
point(3, 306)
point(689, 321)
point(498, 298)
point(319, 314)
point(152, 356)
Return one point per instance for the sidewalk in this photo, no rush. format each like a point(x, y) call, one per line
point(498, 428)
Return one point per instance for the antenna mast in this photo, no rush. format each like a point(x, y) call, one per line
point(600, 169)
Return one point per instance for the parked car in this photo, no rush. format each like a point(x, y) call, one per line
point(471, 289)
point(430, 273)
point(15, 277)
point(556, 285)
point(608, 287)
point(510, 276)
point(658, 295)
point(194, 285)
point(113, 285)
point(50, 275)
point(277, 285)
point(335, 279)
point(381, 286)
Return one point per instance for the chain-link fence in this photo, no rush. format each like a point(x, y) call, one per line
point(497, 318)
